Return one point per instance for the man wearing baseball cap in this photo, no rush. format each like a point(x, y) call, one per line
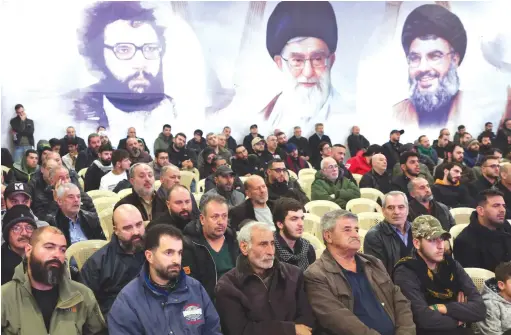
point(18, 225)
point(263, 155)
point(442, 295)
point(391, 148)
point(224, 181)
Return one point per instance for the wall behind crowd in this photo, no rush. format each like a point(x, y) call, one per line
point(217, 69)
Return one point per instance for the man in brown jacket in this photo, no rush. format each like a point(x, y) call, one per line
point(352, 293)
point(262, 296)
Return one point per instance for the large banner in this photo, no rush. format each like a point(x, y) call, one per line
point(418, 66)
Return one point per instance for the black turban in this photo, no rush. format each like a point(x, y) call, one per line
point(435, 20)
point(292, 19)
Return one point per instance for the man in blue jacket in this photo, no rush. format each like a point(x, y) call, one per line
point(163, 299)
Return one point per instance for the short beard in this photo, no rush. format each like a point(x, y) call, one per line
point(425, 198)
point(429, 102)
point(166, 274)
point(130, 246)
point(43, 273)
point(135, 152)
point(411, 173)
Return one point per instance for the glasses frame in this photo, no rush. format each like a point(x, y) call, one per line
point(430, 62)
point(305, 60)
point(137, 48)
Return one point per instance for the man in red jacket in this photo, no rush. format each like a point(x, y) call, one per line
point(360, 164)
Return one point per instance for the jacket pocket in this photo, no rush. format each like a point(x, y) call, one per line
point(67, 327)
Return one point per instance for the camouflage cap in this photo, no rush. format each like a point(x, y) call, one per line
point(428, 227)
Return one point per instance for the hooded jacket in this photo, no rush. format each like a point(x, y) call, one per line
point(358, 164)
point(141, 308)
point(162, 142)
point(197, 260)
point(498, 310)
point(77, 311)
point(20, 172)
point(340, 191)
point(479, 247)
point(94, 174)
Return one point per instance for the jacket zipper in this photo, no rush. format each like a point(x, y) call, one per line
point(210, 255)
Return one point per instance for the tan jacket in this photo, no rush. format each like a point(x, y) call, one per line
point(332, 302)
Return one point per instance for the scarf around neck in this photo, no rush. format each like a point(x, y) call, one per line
point(299, 258)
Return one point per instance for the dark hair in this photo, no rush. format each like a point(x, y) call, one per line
point(18, 106)
point(119, 155)
point(488, 123)
point(280, 133)
point(239, 146)
point(339, 146)
point(487, 158)
point(154, 234)
point(450, 165)
point(253, 126)
point(322, 144)
point(407, 154)
point(101, 14)
point(421, 137)
point(158, 152)
point(105, 147)
point(30, 151)
point(54, 142)
point(216, 159)
point(198, 132)
point(175, 187)
point(461, 127)
point(213, 198)
point(181, 134)
point(503, 271)
point(71, 141)
point(453, 146)
point(91, 136)
point(273, 161)
point(494, 150)
point(282, 206)
point(486, 134)
point(483, 196)
point(166, 126)
point(97, 129)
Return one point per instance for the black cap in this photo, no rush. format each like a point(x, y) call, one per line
point(373, 149)
point(224, 171)
point(407, 147)
point(397, 131)
point(18, 213)
point(17, 188)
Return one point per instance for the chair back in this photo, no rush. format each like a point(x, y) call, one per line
point(318, 246)
point(292, 174)
point(81, 251)
point(157, 184)
point(357, 177)
point(6, 169)
point(371, 193)
point(201, 186)
point(362, 233)
point(309, 165)
point(82, 172)
point(95, 194)
point(462, 214)
point(105, 220)
point(320, 207)
point(125, 192)
point(103, 203)
point(306, 171)
point(478, 276)
point(306, 183)
point(367, 220)
point(312, 225)
point(361, 205)
point(186, 178)
point(455, 231)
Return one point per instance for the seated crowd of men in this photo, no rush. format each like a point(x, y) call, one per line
point(237, 262)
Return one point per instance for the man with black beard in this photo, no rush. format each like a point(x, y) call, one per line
point(281, 184)
point(179, 204)
point(41, 299)
point(98, 168)
point(434, 41)
point(113, 266)
point(124, 47)
point(409, 162)
point(224, 186)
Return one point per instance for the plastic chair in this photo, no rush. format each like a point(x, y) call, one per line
point(292, 174)
point(455, 231)
point(146, 223)
point(103, 203)
point(309, 164)
point(82, 183)
point(462, 214)
point(197, 197)
point(320, 207)
point(307, 171)
point(318, 246)
point(243, 179)
point(478, 276)
point(5, 169)
point(306, 183)
point(125, 192)
point(357, 177)
point(367, 220)
point(95, 194)
point(362, 233)
point(186, 178)
point(312, 225)
point(362, 205)
point(196, 175)
point(81, 251)
point(371, 193)
point(157, 184)
point(105, 220)
point(82, 172)
point(201, 186)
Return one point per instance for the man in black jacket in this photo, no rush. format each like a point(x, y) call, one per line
point(71, 134)
point(378, 178)
point(113, 266)
point(132, 133)
point(409, 161)
point(391, 148)
point(301, 143)
point(179, 209)
point(210, 184)
point(244, 164)
point(197, 143)
point(314, 141)
point(22, 130)
point(448, 190)
point(231, 142)
point(423, 203)
point(281, 184)
point(76, 223)
point(89, 155)
point(170, 175)
point(98, 168)
point(357, 142)
point(183, 158)
point(490, 169)
point(247, 141)
point(486, 241)
point(212, 249)
point(443, 297)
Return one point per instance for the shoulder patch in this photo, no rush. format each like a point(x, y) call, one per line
point(187, 270)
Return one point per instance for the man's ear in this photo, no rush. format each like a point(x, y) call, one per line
point(244, 248)
point(332, 60)
point(278, 60)
point(456, 59)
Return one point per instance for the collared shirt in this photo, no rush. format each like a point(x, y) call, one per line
point(75, 231)
point(403, 237)
point(148, 205)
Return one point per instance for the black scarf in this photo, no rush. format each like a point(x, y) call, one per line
point(439, 287)
point(298, 258)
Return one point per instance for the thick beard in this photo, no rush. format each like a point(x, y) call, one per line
point(129, 246)
point(425, 199)
point(428, 102)
point(44, 274)
point(165, 274)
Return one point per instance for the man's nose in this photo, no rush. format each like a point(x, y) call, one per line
point(308, 70)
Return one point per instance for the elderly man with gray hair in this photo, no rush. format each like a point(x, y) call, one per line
point(262, 295)
point(391, 239)
point(351, 292)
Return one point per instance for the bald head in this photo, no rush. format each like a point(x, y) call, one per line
point(325, 162)
point(505, 174)
point(253, 180)
point(379, 163)
point(125, 213)
point(129, 228)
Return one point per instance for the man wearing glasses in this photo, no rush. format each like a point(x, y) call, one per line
point(301, 38)
point(124, 47)
point(434, 41)
point(281, 184)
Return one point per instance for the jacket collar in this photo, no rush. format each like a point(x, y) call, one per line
point(244, 270)
point(483, 231)
point(387, 228)
point(194, 230)
point(331, 265)
point(144, 280)
point(68, 296)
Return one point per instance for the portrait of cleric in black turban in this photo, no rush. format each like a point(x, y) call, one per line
point(434, 41)
point(123, 46)
point(301, 38)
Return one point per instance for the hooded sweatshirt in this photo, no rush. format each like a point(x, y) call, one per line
point(358, 164)
point(94, 174)
point(498, 310)
point(21, 172)
point(162, 142)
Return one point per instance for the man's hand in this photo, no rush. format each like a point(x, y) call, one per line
point(462, 298)
point(187, 164)
point(303, 330)
point(439, 307)
point(306, 158)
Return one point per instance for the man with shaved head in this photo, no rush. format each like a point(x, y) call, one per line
point(256, 207)
point(328, 185)
point(504, 185)
point(378, 178)
point(113, 266)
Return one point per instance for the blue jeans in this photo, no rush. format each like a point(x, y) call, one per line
point(193, 186)
point(19, 152)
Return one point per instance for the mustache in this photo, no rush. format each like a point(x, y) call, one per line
point(431, 73)
point(23, 239)
point(134, 237)
point(53, 261)
point(142, 74)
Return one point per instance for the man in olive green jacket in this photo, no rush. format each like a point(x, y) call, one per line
point(53, 303)
point(328, 185)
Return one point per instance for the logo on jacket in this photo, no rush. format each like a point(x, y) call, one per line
point(192, 313)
